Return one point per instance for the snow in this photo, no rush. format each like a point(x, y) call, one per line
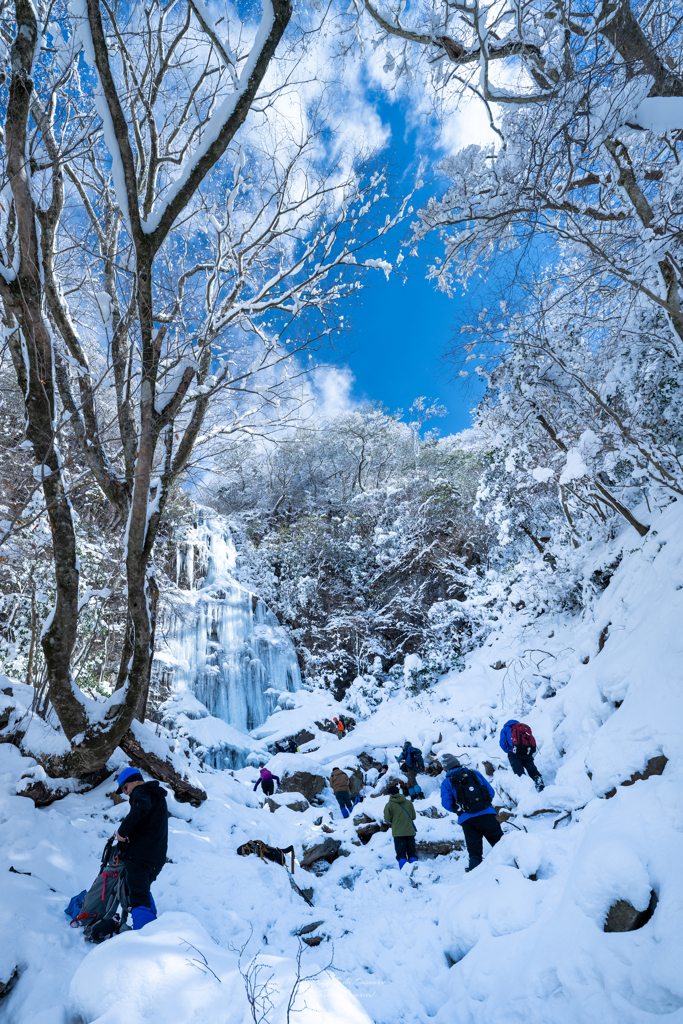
point(542, 475)
point(574, 468)
point(172, 971)
point(519, 939)
point(660, 113)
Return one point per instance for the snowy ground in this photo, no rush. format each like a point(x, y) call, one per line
point(519, 940)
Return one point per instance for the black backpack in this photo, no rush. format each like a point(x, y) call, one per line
point(471, 795)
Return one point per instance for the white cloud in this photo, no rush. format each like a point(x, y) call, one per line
point(333, 391)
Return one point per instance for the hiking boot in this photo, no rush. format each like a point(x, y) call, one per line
point(412, 860)
point(402, 863)
point(539, 784)
point(472, 865)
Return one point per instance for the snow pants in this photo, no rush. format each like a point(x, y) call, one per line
point(482, 826)
point(413, 785)
point(405, 847)
point(139, 878)
point(521, 763)
point(268, 787)
point(344, 799)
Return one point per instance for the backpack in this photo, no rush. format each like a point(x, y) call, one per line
point(522, 738)
point(413, 759)
point(265, 852)
point(101, 902)
point(471, 795)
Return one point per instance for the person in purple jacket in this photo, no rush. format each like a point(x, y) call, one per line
point(469, 795)
point(266, 782)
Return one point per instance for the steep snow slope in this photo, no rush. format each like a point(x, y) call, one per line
point(520, 939)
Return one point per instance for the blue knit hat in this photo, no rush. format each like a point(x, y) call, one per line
point(128, 775)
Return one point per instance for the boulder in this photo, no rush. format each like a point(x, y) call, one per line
point(303, 737)
point(622, 916)
point(327, 851)
point(304, 782)
point(296, 802)
point(366, 832)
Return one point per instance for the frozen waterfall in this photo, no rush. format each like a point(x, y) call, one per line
point(220, 644)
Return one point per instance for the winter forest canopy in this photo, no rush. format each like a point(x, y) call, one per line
point(195, 196)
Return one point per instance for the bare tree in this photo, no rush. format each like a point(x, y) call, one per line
point(150, 304)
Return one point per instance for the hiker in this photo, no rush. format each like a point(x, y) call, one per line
point(410, 761)
point(144, 831)
point(517, 740)
point(292, 747)
point(341, 728)
point(469, 795)
point(400, 814)
point(341, 787)
point(267, 782)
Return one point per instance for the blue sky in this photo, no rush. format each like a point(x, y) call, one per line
point(402, 327)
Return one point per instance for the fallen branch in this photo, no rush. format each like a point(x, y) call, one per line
point(163, 771)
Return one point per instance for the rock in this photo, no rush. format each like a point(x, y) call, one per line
point(367, 761)
point(304, 782)
point(318, 821)
point(5, 715)
point(504, 815)
point(655, 766)
point(498, 665)
point(356, 782)
point(327, 851)
point(362, 819)
point(623, 917)
point(115, 797)
point(438, 847)
point(308, 928)
point(326, 828)
point(432, 812)
point(488, 768)
point(303, 737)
point(6, 986)
point(314, 940)
point(366, 832)
point(295, 803)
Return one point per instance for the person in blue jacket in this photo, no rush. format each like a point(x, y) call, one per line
point(477, 825)
point(521, 758)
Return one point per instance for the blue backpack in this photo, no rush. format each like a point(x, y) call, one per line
point(413, 759)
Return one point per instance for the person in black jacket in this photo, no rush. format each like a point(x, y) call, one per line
point(144, 831)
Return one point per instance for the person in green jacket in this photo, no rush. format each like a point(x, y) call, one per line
point(400, 814)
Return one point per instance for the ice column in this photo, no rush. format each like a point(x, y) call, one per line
point(222, 642)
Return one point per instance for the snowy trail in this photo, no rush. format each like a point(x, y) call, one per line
point(521, 939)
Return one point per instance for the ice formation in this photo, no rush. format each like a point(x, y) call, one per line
point(221, 644)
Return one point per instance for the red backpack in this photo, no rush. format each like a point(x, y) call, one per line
point(522, 738)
